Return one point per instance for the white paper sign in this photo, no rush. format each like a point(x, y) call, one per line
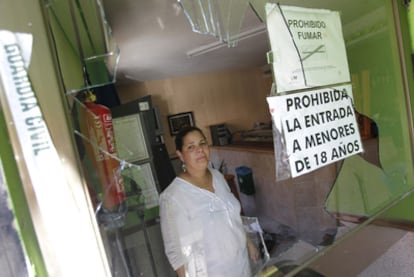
point(129, 138)
point(142, 175)
point(308, 48)
point(319, 127)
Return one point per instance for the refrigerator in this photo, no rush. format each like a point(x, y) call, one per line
point(146, 171)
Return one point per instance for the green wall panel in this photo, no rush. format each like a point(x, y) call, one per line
point(364, 187)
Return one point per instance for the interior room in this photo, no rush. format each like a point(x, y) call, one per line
point(133, 73)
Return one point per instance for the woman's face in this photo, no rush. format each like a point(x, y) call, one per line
point(195, 152)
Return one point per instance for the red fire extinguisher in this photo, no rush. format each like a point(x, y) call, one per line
point(96, 125)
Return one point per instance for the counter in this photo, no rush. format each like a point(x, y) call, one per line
point(258, 148)
point(297, 203)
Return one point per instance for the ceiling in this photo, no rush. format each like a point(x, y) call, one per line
point(155, 35)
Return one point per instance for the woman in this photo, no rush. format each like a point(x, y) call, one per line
point(200, 218)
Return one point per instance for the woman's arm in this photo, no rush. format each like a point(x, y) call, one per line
point(170, 235)
point(253, 251)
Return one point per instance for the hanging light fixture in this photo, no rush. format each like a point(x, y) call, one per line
point(218, 18)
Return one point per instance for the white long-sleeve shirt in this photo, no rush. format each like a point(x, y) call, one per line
point(203, 230)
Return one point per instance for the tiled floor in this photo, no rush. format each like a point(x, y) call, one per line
point(372, 251)
point(398, 261)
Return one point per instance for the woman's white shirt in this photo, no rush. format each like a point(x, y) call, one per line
point(203, 230)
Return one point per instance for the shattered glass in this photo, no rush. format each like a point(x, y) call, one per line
point(221, 19)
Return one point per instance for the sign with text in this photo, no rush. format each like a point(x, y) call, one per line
point(61, 206)
point(319, 127)
point(308, 48)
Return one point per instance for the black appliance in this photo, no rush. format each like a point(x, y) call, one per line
point(220, 135)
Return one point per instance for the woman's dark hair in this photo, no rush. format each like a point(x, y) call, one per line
point(183, 132)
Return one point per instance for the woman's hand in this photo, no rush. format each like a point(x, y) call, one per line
point(181, 271)
point(253, 251)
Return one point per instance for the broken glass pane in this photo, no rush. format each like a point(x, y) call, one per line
point(221, 19)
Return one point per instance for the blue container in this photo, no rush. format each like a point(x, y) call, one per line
point(245, 180)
